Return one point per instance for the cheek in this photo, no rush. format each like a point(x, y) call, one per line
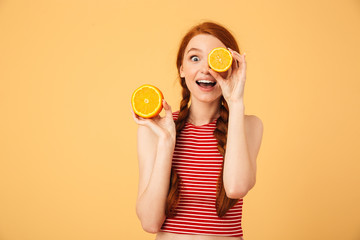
point(190, 73)
point(188, 82)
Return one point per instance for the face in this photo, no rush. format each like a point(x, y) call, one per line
point(195, 68)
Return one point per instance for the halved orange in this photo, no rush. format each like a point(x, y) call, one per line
point(146, 101)
point(220, 59)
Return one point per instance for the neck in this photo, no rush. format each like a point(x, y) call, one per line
point(203, 113)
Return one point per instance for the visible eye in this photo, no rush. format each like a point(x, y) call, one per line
point(195, 58)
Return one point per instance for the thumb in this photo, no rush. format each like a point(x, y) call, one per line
point(167, 108)
point(217, 76)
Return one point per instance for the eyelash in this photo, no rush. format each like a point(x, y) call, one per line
point(193, 56)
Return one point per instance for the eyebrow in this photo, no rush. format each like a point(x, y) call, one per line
point(193, 49)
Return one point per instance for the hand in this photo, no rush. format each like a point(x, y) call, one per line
point(163, 127)
point(232, 86)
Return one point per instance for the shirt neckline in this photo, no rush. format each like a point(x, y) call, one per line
point(204, 125)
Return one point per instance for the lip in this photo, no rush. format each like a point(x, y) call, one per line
point(206, 78)
point(207, 89)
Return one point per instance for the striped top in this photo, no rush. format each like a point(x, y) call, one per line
point(198, 163)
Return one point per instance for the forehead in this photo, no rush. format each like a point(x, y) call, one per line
point(204, 42)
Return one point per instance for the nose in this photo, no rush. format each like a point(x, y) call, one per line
point(205, 67)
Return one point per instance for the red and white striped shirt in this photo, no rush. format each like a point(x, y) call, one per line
point(198, 163)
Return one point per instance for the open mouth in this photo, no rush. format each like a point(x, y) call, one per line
point(205, 83)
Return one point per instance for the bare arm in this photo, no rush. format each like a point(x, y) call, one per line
point(242, 148)
point(156, 142)
point(243, 142)
point(154, 172)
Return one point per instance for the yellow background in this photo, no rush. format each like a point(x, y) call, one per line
point(68, 166)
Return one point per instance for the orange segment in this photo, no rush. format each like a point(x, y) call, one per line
point(220, 59)
point(146, 101)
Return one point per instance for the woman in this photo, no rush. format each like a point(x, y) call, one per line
point(197, 164)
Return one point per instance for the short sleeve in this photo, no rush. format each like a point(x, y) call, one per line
point(175, 115)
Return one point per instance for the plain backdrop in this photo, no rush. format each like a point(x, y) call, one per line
point(68, 163)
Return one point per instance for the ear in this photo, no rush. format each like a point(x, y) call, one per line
point(182, 74)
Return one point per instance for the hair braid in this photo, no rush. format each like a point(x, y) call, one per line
point(175, 182)
point(173, 197)
point(184, 107)
point(223, 203)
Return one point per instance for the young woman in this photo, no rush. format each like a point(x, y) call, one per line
point(197, 164)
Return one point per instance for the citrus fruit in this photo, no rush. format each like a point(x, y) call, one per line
point(146, 101)
point(220, 59)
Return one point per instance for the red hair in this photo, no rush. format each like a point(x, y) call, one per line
point(223, 203)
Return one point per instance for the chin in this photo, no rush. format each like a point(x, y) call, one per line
point(209, 99)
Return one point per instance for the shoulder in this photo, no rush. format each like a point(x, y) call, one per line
point(254, 125)
point(253, 121)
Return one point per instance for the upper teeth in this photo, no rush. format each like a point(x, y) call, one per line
point(205, 81)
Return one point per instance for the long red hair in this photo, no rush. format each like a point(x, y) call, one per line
point(223, 203)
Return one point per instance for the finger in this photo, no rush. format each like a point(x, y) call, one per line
point(230, 71)
point(245, 63)
point(236, 63)
point(139, 120)
point(234, 52)
point(216, 75)
point(167, 108)
point(235, 60)
point(148, 122)
point(133, 113)
point(240, 59)
point(219, 79)
point(237, 56)
point(135, 116)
